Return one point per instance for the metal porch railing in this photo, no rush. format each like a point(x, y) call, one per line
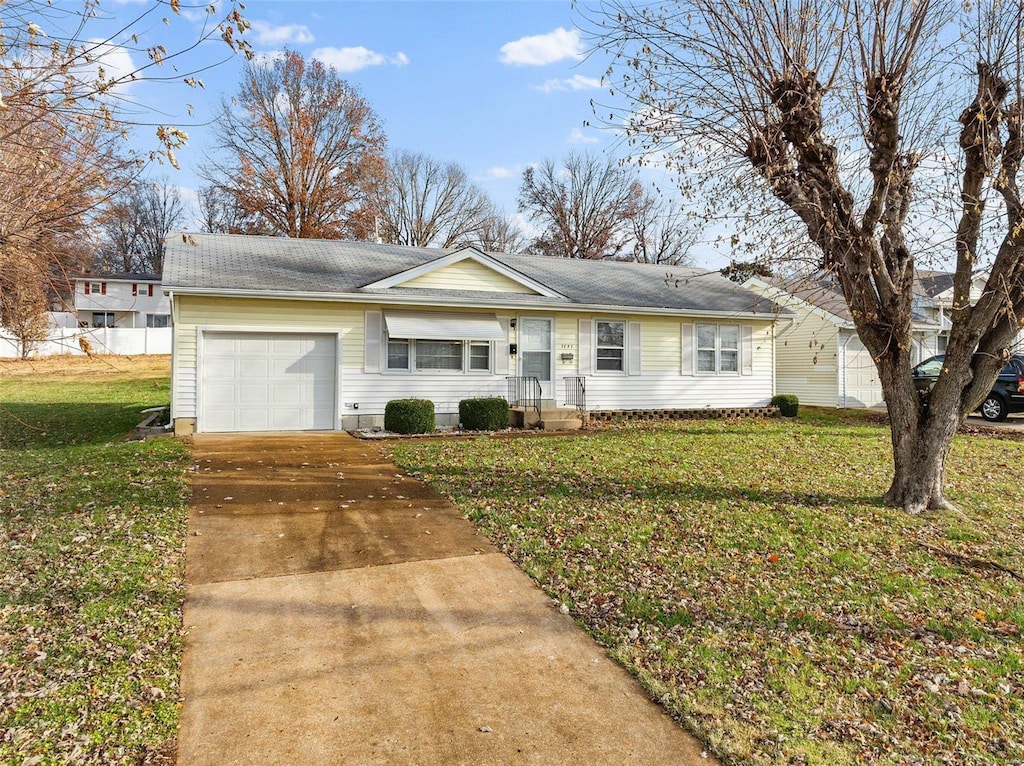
point(576, 393)
point(524, 392)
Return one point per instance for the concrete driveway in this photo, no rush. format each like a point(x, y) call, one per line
point(339, 612)
point(1012, 423)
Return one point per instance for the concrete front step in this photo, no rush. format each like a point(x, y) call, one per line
point(555, 418)
point(561, 424)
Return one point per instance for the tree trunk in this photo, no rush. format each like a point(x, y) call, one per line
point(921, 437)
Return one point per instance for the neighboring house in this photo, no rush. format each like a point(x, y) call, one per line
point(818, 355)
point(298, 334)
point(121, 300)
point(934, 299)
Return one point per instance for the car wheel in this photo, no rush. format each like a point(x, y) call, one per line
point(994, 408)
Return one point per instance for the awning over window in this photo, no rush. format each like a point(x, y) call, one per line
point(431, 325)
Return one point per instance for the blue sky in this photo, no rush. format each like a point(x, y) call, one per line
point(494, 86)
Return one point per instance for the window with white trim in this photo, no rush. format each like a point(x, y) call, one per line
point(398, 353)
point(479, 356)
point(421, 355)
point(158, 320)
point(718, 348)
point(610, 346)
point(103, 319)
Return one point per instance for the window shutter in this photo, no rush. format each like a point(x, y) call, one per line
point(103, 288)
point(87, 286)
point(501, 349)
point(135, 288)
point(586, 342)
point(371, 341)
point(687, 349)
point(151, 291)
point(633, 364)
point(747, 350)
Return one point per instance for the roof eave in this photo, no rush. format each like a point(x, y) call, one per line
point(415, 300)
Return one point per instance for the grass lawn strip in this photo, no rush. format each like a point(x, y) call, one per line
point(91, 572)
point(746, 573)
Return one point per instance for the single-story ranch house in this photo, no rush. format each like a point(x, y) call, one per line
point(299, 334)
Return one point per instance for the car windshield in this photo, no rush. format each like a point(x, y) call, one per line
point(929, 368)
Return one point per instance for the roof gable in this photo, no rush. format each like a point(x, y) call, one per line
point(466, 269)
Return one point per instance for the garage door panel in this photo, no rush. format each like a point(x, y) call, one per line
point(253, 368)
point(219, 367)
point(254, 393)
point(259, 381)
point(288, 394)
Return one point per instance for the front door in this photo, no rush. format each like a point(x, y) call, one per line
point(536, 336)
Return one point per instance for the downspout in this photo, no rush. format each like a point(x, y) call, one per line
point(174, 331)
point(843, 368)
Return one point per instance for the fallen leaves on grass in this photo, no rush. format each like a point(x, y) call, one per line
point(765, 596)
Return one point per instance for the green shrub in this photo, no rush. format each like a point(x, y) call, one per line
point(484, 414)
point(409, 416)
point(788, 404)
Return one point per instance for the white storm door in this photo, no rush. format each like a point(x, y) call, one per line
point(266, 381)
point(536, 338)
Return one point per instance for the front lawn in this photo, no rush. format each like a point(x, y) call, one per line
point(747, 574)
point(91, 564)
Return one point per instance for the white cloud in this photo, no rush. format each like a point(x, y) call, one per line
point(200, 15)
point(576, 82)
point(108, 63)
point(500, 172)
point(267, 58)
point(539, 50)
point(577, 136)
point(356, 58)
point(270, 34)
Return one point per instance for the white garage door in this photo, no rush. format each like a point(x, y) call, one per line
point(862, 386)
point(267, 382)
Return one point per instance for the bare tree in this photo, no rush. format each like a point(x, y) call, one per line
point(135, 224)
point(298, 147)
point(661, 232)
point(840, 111)
point(424, 202)
point(221, 213)
point(65, 112)
point(23, 303)
point(585, 207)
point(500, 233)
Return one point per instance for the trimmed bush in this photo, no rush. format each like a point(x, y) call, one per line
point(788, 404)
point(409, 416)
point(484, 414)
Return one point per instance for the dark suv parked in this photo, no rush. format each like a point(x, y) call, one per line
point(1006, 396)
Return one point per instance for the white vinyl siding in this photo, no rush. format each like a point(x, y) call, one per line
point(660, 384)
point(468, 275)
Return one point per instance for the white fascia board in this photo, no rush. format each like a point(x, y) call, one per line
point(476, 303)
point(465, 254)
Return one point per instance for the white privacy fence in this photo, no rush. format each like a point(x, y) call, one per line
point(127, 341)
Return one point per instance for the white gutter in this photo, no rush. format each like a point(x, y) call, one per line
point(377, 298)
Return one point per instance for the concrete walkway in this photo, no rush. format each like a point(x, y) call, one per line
point(339, 612)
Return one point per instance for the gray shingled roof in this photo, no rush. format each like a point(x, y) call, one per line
point(244, 264)
point(824, 293)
